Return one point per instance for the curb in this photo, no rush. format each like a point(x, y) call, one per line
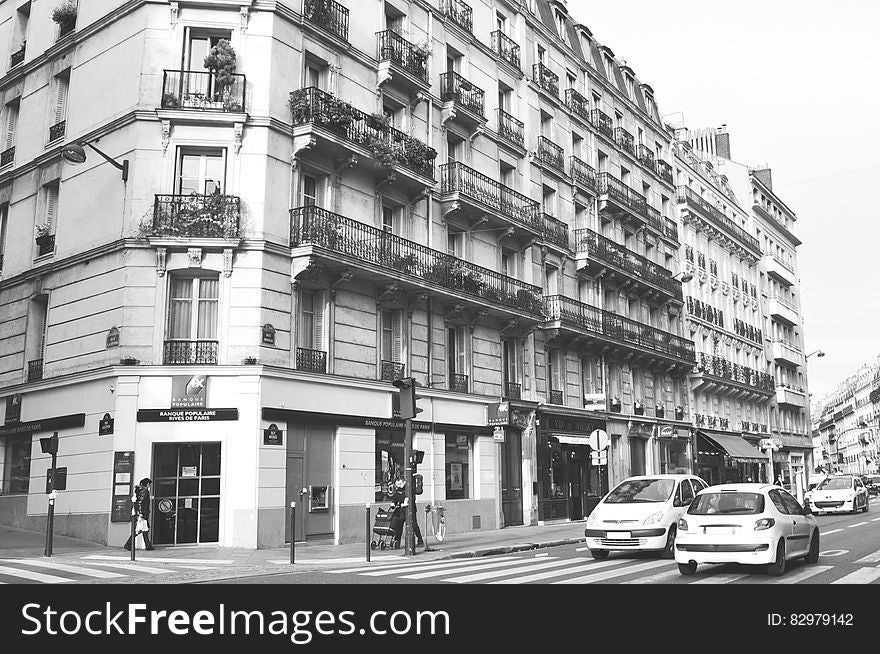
point(507, 549)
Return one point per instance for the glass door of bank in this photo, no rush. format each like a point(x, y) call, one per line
point(186, 493)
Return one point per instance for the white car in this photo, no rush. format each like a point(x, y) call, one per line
point(756, 524)
point(641, 513)
point(839, 494)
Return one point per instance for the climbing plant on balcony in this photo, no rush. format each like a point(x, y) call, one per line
point(312, 105)
point(64, 15)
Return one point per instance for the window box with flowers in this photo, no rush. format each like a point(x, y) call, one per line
point(64, 15)
point(197, 216)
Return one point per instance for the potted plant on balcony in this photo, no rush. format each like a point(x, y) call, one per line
point(420, 53)
point(221, 62)
point(379, 121)
point(170, 101)
point(638, 408)
point(42, 233)
point(382, 151)
point(312, 105)
point(615, 404)
point(64, 15)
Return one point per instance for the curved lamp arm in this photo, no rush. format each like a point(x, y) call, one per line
point(121, 166)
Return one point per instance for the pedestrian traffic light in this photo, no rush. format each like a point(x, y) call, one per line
point(49, 445)
point(417, 484)
point(408, 398)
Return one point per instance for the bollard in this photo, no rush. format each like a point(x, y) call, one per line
point(292, 530)
point(50, 522)
point(368, 532)
point(133, 532)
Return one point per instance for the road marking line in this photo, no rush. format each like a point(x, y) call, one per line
point(874, 557)
point(858, 524)
point(443, 565)
point(559, 573)
point(33, 576)
point(411, 565)
point(198, 567)
point(349, 559)
point(131, 566)
point(719, 579)
point(860, 576)
point(875, 519)
point(156, 559)
point(446, 571)
point(608, 574)
point(658, 578)
point(833, 531)
point(482, 576)
point(584, 549)
point(800, 575)
point(542, 554)
point(86, 572)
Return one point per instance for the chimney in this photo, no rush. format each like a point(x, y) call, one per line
point(722, 142)
point(764, 177)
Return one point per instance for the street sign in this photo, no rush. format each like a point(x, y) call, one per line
point(598, 439)
point(599, 460)
point(498, 434)
point(60, 479)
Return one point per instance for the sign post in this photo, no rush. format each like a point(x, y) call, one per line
point(50, 446)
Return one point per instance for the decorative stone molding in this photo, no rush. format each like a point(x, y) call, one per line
point(227, 262)
point(301, 145)
point(175, 13)
point(160, 261)
point(390, 178)
point(238, 132)
point(195, 257)
point(390, 293)
point(243, 17)
point(416, 99)
point(345, 276)
point(166, 134)
point(474, 319)
point(453, 208)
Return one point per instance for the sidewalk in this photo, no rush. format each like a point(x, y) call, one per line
point(18, 543)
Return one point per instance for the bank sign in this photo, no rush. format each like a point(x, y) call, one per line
point(189, 391)
point(186, 415)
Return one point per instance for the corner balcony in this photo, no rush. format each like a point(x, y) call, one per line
point(550, 157)
point(186, 352)
point(546, 79)
point(618, 199)
point(511, 130)
point(718, 226)
point(459, 13)
point(624, 269)
point(786, 353)
point(401, 63)
point(791, 396)
point(311, 360)
point(783, 311)
point(584, 175)
point(196, 220)
point(462, 101)
point(780, 270)
point(584, 327)
point(325, 242)
point(714, 374)
point(506, 48)
point(670, 229)
point(328, 15)
point(473, 195)
point(324, 123)
point(202, 91)
point(578, 105)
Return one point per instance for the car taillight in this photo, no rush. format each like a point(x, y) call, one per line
point(682, 524)
point(764, 523)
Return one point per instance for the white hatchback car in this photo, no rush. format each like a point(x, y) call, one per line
point(641, 513)
point(838, 494)
point(746, 523)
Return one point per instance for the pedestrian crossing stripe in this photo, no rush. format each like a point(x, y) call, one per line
point(720, 579)
point(494, 574)
point(874, 557)
point(860, 576)
point(796, 576)
point(442, 568)
point(397, 567)
point(130, 566)
point(61, 567)
point(33, 576)
point(559, 573)
point(609, 574)
point(157, 559)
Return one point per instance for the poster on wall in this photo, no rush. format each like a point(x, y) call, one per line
point(455, 482)
point(123, 469)
point(13, 409)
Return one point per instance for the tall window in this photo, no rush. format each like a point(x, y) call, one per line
point(591, 373)
point(555, 372)
point(508, 262)
point(311, 320)
point(510, 363)
point(4, 219)
point(455, 244)
point(197, 46)
point(456, 355)
point(392, 336)
point(201, 172)
point(9, 124)
point(452, 148)
point(551, 280)
point(62, 84)
point(50, 209)
point(308, 191)
point(193, 308)
point(388, 222)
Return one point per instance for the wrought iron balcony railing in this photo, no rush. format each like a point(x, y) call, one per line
point(7, 156)
point(57, 131)
point(578, 105)
point(197, 216)
point(455, 177)
point(505, 47)
point(555, 231)
point(625, 140)
point(328, 14)
point(556, 397)
point(646, 157)
point(705, 311)
point(512, 391)
point(603, 123)
point(312, 105)
point(700, 420)
point(745, 330)
point(551, 154)
point(670, 228)
point(459, 13)
point(665, 171)
point(311, 360)
point(583, 174)
point(624, 196)
point(66, 28)
point(17, 56)
point(455, 87)
point(35, 370)
point(392, 371)
point(458, 383)
point(635, 265)
point(203, 90)
point(312, 225)
point(712, 421)
point(546, 79)
point(201, 352)
point(511, 129)
point(724, 369)
point(392, 47)
point(689, 197)
point(45, 244)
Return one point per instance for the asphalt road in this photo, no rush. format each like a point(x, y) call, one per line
point(849, 554)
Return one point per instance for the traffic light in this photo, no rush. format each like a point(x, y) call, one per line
point(417, 484)
point(49, 445)
point(408, 398)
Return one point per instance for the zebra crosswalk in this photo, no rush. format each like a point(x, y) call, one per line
point(525, 569)
point(96, 569)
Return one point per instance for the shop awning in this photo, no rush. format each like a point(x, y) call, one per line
point(735, 446)
point(571, 439)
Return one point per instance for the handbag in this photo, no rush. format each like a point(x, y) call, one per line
point(142, 526)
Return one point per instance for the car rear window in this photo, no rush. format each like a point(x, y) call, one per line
point(641, 490)
point(835, 483)
point(708, 503)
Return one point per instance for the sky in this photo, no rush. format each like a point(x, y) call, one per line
point(797, 82)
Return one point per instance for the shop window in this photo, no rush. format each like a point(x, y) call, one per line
point(389, 463)
point(459, 452)
point(636, 456)
point(16, 465)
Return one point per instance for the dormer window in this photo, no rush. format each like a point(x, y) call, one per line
point(630, 90)
point(560, 25)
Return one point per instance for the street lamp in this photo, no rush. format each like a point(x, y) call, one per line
point(685, 277)
point(75, 153)
point(819, 353)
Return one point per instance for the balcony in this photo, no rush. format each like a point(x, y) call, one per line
point(311, 360)
point(328, 15)
point(335, 242)
point(7, 156)
point(625, 141)
point(628, 271)
point(45, 244)
point(17, 57)
point(201, 91)
point(555, 232)
point(35, 370)
point(392, 371)
point(462, 101)
point(783, 311)
point(786, 353)
point(646, 157)
point(555, 397)
point(510, 129)
point(336, 128)
point(182, 353)
point(506, 48)
point(584, 175)
point(57, 131)
point(459, 383)
point(66, 27)
point(670, 229)
point(459, 13)
point(718, 375)
point(472, 193)
point(603, 123)
point(664, 170)
point(616, 335)
point(578, 105)
point(790, 396)
point(705, 311)
point(711, 219)
point(546, 79)
point(780, 270)
point(401, 62)
point(748, 331)
point(618, 199)
point(197, 217)
point(550, 154)
point(512, 391)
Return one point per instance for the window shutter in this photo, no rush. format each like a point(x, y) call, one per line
point(11, 122)
point(397, 336)
point(461, 350)
point(318, 336)
point(61, 106)
point(51, 205)
point(45, 327)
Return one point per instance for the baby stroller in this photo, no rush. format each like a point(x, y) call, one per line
point(388, 526)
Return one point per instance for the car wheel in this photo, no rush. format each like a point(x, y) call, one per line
point(867, 504)
point(813, 554)
point(778, 566)
point(687, 569)
point(599, 554)
point(669, 550)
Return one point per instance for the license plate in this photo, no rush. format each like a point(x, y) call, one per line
point(720, 531)
point(619, 535)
